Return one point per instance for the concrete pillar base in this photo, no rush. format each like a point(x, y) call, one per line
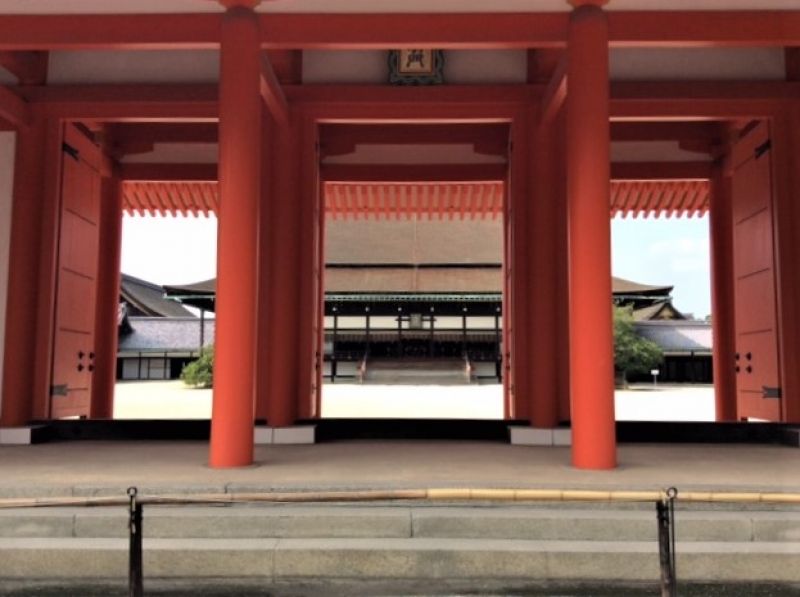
point(300, 434)
point(791, 437)
point(532, 436)
point(21, 436)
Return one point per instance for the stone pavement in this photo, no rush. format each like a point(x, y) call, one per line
point(103, 467)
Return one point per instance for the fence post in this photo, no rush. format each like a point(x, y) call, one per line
point(135, 573)
point(665, 510)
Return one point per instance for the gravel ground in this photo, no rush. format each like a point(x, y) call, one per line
point(172, 400)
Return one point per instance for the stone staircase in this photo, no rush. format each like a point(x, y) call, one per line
point(416, 372)
point(401, 542)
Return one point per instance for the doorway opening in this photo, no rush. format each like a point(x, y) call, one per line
point(413, 276)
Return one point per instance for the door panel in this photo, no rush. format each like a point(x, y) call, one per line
point(76, 283)
point(757, 370)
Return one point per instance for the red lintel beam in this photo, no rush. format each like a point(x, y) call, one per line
point(413, 173)
point(106, 31)
point(272, 93)
point(124, 134)
point(13, 109)
point(555, 94)
point(30, 68)
point(664, 171)
point(381, 31)
point(706, 132)
point(341, 139)
point(699, 101)
point(409, 30)
point(127, 103)
point(167, 172)
point(704, 28)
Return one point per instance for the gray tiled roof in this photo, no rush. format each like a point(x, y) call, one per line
point(149, 299)
point(678, 336)
point(159, 334)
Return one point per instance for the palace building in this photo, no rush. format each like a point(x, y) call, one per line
point(545, 117)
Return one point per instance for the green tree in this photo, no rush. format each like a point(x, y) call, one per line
point(200, 373)
point(632, 353)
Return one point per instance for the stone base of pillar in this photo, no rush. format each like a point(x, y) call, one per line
point(533, 436)
point(300, 434)
point(22, 436)
point(791, 437)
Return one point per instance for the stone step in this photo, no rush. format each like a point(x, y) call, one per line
point(450, 522)
point(409, 558)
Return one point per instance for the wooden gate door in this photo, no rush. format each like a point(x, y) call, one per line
point(757, 370)
point(76, 278)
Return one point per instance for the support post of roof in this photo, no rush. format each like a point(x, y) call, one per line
point(722, 295)
point(107, 304)
point(23, 277)
point(786, 155)
point(542, 229)
point(233, 406)
point(310, 275)
point(588, 191)
point(519, 240)
point(279, 249)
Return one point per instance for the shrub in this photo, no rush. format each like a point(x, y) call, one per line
point(200, 373)
point(632, 353)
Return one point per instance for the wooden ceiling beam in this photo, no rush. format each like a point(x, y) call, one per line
point(406, 30)
point(272, 93)
point(413, 173)
point(342, 139)
point(792, 64)
point(555, 94)
point(666, 171)
point(30, 68)
point(144, 172)
point(708, 132)
point(14, 111)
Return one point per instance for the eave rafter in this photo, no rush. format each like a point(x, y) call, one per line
point(14, 110)
point(30, 68)
point(406, 30)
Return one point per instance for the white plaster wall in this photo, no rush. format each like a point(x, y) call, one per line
point(7, 141)
point(130, 66)
point(652, 64)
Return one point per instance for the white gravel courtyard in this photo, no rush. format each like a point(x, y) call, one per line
point(172, 400)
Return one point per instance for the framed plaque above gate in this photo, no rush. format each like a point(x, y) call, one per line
point(416, 67)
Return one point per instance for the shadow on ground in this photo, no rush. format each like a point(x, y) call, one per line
point(155, 588)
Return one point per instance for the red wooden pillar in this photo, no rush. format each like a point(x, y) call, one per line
point(561, 261)
point(509, 410)
point(786, 164)
point(588, 189)
point(237, 243)
point(106, 312)
point(265, 217)
point(523, 364)
point(309, 274)
point(23, 277)
point(722, 295)
point(542, 279)
point(283, 231)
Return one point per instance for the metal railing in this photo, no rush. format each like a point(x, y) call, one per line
point(664, 502)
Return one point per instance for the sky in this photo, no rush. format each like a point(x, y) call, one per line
point(178, 250)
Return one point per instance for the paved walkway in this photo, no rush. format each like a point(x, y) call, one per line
point(86, 467)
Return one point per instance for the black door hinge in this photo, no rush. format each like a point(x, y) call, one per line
point(73, 152)
point(763, 148)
